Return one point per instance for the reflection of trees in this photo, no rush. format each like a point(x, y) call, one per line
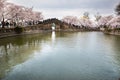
point(116, 50)
point(116, 47)
point(113, 44)
point(16, 50)
point(62, 34)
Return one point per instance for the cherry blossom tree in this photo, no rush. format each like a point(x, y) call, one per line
point(118, 9)
point(11, 10)
point(32, 16)
point(102, 22)
point(37, 16)
point(14, 12)
point(2, 2)
point(114, 22)
point(18, 14)
point(85, 22)
point(2, 5)
point(71, 20)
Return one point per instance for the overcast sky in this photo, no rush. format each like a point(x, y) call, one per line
point(61, 8)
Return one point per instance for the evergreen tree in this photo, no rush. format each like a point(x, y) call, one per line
point(118, 9)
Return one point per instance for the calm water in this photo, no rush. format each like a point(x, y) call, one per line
point(60, 56)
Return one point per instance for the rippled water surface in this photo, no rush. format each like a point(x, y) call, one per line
point(60, 56)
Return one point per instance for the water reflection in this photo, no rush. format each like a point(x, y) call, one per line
point(60, 56)
point(16, 50)
point(53, 37)
point(115, 46)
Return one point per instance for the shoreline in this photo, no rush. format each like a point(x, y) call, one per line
point(112, 33)
point(12, 34)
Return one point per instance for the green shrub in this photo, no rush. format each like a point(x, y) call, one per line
point(18, 29)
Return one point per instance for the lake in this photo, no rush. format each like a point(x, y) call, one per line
point(60, 56)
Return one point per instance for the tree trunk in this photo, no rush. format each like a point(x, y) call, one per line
point(3, 23)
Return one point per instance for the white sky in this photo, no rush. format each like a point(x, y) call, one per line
point(61, 8)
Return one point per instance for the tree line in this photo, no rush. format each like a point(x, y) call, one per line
point(17, 14)
point(109, 21)
point(13, 15)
